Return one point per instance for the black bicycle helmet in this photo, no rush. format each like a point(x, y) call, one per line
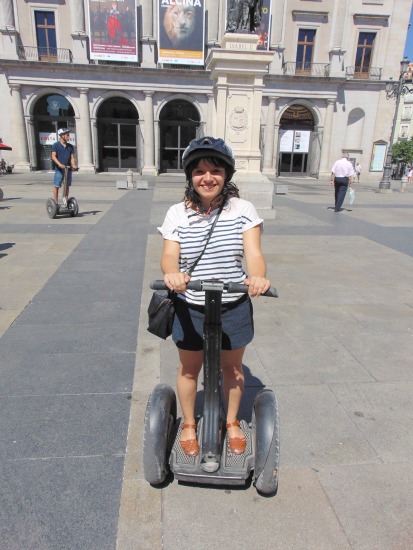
point(208, 147)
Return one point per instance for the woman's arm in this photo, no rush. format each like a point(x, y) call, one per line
point(173, 278)
point(256, 266)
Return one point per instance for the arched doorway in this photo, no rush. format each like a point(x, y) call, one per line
point(295, 141)
point(118, 136)
point(178, 125)
point(51, 112)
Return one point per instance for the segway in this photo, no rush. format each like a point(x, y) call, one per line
point(53, 208)
point(215, 464)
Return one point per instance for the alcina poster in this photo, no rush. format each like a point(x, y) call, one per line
point(181, 31)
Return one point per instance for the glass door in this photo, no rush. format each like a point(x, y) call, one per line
point(119, 146)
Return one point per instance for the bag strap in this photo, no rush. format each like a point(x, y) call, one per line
point(193, 266)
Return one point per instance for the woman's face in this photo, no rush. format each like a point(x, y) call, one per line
point(208, 181)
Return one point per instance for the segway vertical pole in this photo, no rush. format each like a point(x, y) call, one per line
point(64, 188)
point(212, 377)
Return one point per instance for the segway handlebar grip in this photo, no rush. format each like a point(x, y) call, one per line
point(158, 284)
point(238, 287)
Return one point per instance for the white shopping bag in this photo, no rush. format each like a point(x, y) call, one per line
point(351, 195)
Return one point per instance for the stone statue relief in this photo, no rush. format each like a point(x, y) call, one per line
point(243, 15)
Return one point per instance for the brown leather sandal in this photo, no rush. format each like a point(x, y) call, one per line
point(237, 445)
point(190, 447)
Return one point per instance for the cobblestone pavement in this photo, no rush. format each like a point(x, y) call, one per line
point(77, 366)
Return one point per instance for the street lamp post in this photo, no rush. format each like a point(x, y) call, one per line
point(394, 89)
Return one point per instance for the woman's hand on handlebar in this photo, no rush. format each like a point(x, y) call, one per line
point(257, 286)
point(176, 281)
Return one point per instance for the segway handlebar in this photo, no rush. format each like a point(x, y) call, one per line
point(214, 284)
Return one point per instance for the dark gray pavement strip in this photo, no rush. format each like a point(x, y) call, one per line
point(66, 370)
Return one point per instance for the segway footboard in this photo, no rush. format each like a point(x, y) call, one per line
point(232, 470)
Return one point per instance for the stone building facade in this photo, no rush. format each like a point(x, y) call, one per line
point(323, 93)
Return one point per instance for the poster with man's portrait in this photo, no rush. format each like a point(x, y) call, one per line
point(181, 31)
point(113, 30)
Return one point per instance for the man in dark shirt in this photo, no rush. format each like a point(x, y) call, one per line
point(63, 154)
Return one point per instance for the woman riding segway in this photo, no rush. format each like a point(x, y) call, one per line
point(206, 237)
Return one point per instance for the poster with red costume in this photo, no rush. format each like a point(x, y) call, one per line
point(112, 30)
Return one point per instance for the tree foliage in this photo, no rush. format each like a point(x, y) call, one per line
point(403, 151)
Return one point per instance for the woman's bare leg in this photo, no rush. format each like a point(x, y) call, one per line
point(233, 379)
point(190, 364)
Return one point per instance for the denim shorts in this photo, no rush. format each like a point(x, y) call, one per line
point(58, 178)
point(237, 325)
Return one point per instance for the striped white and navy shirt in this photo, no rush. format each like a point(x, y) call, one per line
point(222, 258)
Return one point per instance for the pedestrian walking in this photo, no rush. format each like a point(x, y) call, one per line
point(409, 174)
point(342, 174)
point(358, 172)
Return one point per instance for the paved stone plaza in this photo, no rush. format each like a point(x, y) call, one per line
point(77, 366)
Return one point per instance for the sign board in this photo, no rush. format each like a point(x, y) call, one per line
point(48, 138)
point(181, 31)
point(294, 141)
point(113, 30)
point(378, 157)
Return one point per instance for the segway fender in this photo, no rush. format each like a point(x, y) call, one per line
point(160, 417)
point(266, 430)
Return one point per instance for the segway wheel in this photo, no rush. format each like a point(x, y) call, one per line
point(73, 207)
point(1, 194)
point(160, 419)
point(265, 423)
point(51, 208)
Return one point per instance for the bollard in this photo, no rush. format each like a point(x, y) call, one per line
point(129, 179)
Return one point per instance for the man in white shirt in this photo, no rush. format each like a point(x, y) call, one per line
point(342, 174)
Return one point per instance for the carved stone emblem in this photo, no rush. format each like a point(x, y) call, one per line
point(238, 119)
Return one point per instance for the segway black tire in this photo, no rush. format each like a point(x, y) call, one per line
point(51, 208)
point(265, 422)
point(160, 419)
point(73, 207)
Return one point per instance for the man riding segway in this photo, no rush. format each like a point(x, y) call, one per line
point(63, 154)
point(63, 157)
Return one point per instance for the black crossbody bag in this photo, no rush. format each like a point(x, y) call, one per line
point(161, 310)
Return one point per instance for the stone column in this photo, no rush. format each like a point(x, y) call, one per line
point(17, 124)
point(148, 33)
point(95, 143)
point(77, 16)
point(275, 153)
point(31, 139)
point(149, 137)
point(84, 134)
point(221, 89)
point(78, 32)
point(268, 167)
point(212, 6)
point(328, 125)
point(276, 37)
point(210, 127)
point(8, 30)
